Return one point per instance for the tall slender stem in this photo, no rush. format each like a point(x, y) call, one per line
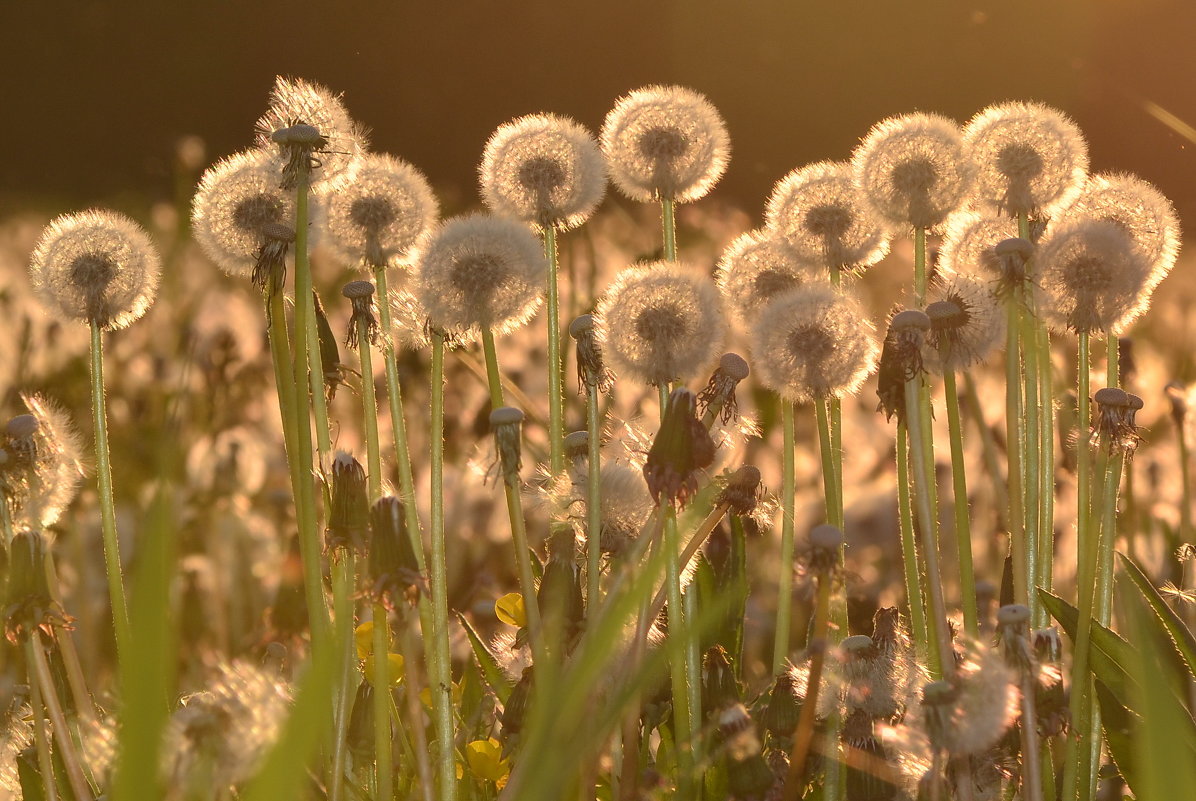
point(920, 267)
point(668, 219)
point(1014, 439)
point(909, 551)
point(963, 525)
point(1046, 473)
point(803, 734)
point(40, 674)
point(370, 404)
point(556, 401)
point(381, 681)
point(682, 722)
point(41, 739)
point(342, 605)
point(780, 649)
point(593, 499)
point(1032, 450)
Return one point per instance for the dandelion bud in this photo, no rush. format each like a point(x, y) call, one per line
point(719, 394)
point(749, 778)
point(348, 518)
point(665, 142)
point(901, 360)
point(784, 706)
point(591, 371)
point(360, 733)
point(560, 589)
point(742, 493)
point(1177, 394)
point(515, 709)
point(96, 266)
point(757, 267)
point(393, 569)
point(378, 215)
point(681, 450)
point(361, 296)
point(507, 424)
point(966, 324)
point(312, 133)
point(826, 541)
point(719, 686)
point(28, 604)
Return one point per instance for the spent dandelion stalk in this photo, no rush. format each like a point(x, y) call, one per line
point(594, 378)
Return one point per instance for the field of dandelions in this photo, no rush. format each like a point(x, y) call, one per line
point(885, 495)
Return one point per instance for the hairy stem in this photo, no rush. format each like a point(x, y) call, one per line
point(780, 649)
point(963, 525)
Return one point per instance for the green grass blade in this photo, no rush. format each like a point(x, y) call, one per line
point(1120, 726)
point(1167, 620)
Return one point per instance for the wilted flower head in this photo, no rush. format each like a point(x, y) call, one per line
point(756, 267)
point(665, 142)
point(912, 169)
point(378, 215)
point(1092, 276)
point(1029, 158)
point(294, 102)
point(348, 519)
point(543, 169)
point(969, 244)
point(591, 367)
point(966, 323)
point(480, 271)
point(717, 398)
point(235, 201)
point(96, 266)
point(681, 450)
point(42, 464)
point(813, 342)
point(1116, 419)
point(661, 322)
point(823, 214)
point(901, 360)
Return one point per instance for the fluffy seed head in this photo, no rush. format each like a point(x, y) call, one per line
point(96, 266)
point(970, 241)
point(912, 169)
point(543, 169)
point(665, 142)
point(813, 342)
point(823, 215)
point(408, 320)
point(378, 215)
point(756, 267)
point(479, 271)
point(295, 102)
point(625, 503)
point(1029, 158)
point(43, 466)
point(661, 322)
point(966, 323)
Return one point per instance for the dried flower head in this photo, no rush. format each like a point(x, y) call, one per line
point(479, 271)
point(236, 200)
point(912, 169)
point(96, 266)
point(661, 322)
point(665, 142)
point(969, 244)
point(543, 169)
point(378, 215)
point(42, 464)
point(824, 216)
point(1029, 158)
point(1092, 276)
point(591, 369)
point(756, 267)
point(743, 491)
point(966, 323)
point(901, 360)
point(813, 342)
point(348, 519)
point(363, 323)
point(331, 154)
point(681, 450)
point(1116, 425)
point(507, 424)
point(718, 396)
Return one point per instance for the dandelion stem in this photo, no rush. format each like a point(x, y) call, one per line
point(909, 550)
point(668, 219)
point(1046, 474)
point(780, 650)
point(41, 739)
point(370, 404)
point(1032, 449)
point(381, 681)
point(556, 401)
point(678, 668)
point(830, 479)
point(593, 499)
point(342, 605)
point(40, 675)
point(700, 536)
point(963, 526)
point(803, 735)
point(919, 267)
point(116, 586)
point(414, 708)
point(1014, 439)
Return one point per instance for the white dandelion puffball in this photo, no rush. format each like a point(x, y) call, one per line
point(756, 267)
point(294, 101)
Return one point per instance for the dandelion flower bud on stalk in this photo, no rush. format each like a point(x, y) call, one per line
point(393, 569)
point(507, 424)
point(591, 369)
point(96, 266)
point(812, 343)
point(348, 518)
point(824, 216)
point(378, 215)
point(361, 297)
point(660, 323)
point(681, 450)
point(543, 169)
point(757, 267)
point(665, 143)
point(718, 397)
point(307, 123)
point(966, 323)
point(1030, 159)
point(912, 170)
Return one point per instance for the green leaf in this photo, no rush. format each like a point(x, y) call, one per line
point(1108, 654)
point(490, 669)
point(1119, 725)
point(1179, 634)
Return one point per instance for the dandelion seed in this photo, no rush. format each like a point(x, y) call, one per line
point(96, 266)
point(813, 342)
point(826, 219)
point(338, 141)
point(912, 169)
point(665, 143)
point(757, 267)
point(660, 323)
point(969, 244)
point(1029, 158)
point(966, 323)
point(378, 216)
point(969, 714)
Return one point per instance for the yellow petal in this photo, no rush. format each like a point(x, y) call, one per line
point(485, 760)
point(363, 635)
point(394, 668)
point(511, 610)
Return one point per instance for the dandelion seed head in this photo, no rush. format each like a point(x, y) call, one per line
point(813, 342)
point(969, 244)
point(665, 142)
point(311, 108)
point(408, 320)
point(823, 215)
point(479, 271)
point(756, 267)
point(45, 465)
point(513, 654)
point(986, 704)
point(96, 266)
point(626, 505)
point(966, 323)
point(661, 322)
point(911, 169)
point(1029, 158)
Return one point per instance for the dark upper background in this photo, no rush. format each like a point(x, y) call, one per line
point(95, 94)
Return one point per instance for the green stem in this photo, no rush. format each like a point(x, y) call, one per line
point(556, 402)
point(1046, 473)
point(1032, 448)
point(803, 734)
point(381, 680)
point(1112, 364)
point(116, 586)
point(40, 674)
point(678, 668)
point(1185, 511)
point(41, 739)
point(593, 499)
point(1014, 439)
point(370, 404)
point(342, 605)
point(415, 709)
point(668, 219)
point(780, 650)
point(909, 551)
point(919, 267)
point(830, 472)
point(280, 355)
point(963, 526)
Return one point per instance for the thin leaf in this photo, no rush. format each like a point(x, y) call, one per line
point(1106, 668)
point(493, 673)
point(1119, 725)
point(1179, 634)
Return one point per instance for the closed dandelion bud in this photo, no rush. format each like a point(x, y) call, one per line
point(479, 271)
point(1177, 395)
point(28, 604)
point(719, 393)
point(784, 706)
point(348, 519)
point(825, 217)
point(681, 450)
point(825, 543)
point(312, 132)
point(96, 266)
point(1030, 159)
point(42, 465)
point(912, 170)
point(813, 343)
point(757, 267)
point(901, 360)
point(270, 264)
point(560, 589)
point(749, 777)
point(543, 169)
point(393, 569)
point(591, 370)
point(360, 734)
point(660, 323)
point(742, 493)
point(719, 686)
point(378, 215)
point(507, 424)
point(966, 323)
point(515, 709)
point(665, 143)
point(361, 297)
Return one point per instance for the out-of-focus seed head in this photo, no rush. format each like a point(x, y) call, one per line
point(901, 360)
point(379, 215)
point(813, 342)
point(735, 725)
point(912, 170)
point(626, 505)
point(28, 605)
point(824, 216)
point(824, 547)
point(665, 142)
point(348, 519)
point(972, 244)
point(42, 464)
point(682, 449)
point(235, 201)
point(743, 491)
point(757, 267)
point(479, 271)
point(307, 123)
point(591, 369)
point(96, 266)
point(719, 392)
point(577, 445)
point(363, 322)
point(784, 706)
point(507, 424)
point(1178, 395)
point(660, 322)
point(1092, 277)
point(543, 169)
point(966, 323)
point(1029, 158)
point(985, 705)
